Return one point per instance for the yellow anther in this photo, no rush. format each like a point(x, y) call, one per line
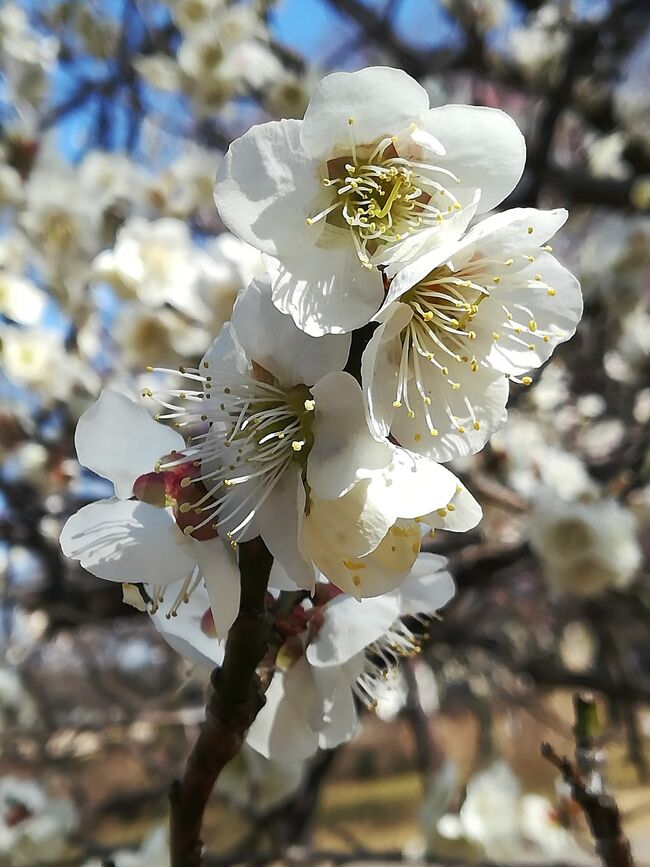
point(531, 346)
point(185, 508)
point(532, 325)
point(496, 279)
point(188, 530)
point(508, 261)
point(548, 248)
point(477, 425)
point(297, 445)
point(428, 316)
point(461, 429)
point(426, 401)
point(411, 414)
point(451, 507)
point(538, 277)
point(146, 392)
point(471, 335)
point(150, 369)
point(546, 338)
point(551, 292)
point(530, 230)
point(350, 121)
point(495, 335)
point(417, 438)
point(455, 386)
point(186, 482)
point(527, 380)
point(228, 483)
point(442, 513)
point(310, 405)
point(445, 371)
point(397, 404)
point(530, 258)
point(356, 580)
point(433, 432)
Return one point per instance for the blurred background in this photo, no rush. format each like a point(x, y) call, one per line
point(114, 117)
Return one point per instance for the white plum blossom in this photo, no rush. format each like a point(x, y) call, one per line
point(33, 826)
point(539, 45)
point(337, 647)
point(157, 262)
point(369, 176)
point(139, 540)
point(289, 457)
point(587, 547)
point(456, 322)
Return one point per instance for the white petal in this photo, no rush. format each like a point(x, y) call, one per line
point(380, 100)
point(279, 580)
point(487, 391)
point(349, 626)
point(218, 566)
point(410, 486)
point(465, 515)
point(515, 230)
point(343, 721)
point(327, 290)
point(344, 450)
point(280, 732)
point(183, 632)
point(266, 186)
point(117, 439)
point(273, 340)
point(124, 540)
point(280, 525)
point(428, 588)
point(555, 315)
point(380, 368)
point(224, 351)
point(347, 527)
point(484, 146)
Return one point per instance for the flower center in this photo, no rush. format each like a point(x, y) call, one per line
point(380, 196)
point(257, 430)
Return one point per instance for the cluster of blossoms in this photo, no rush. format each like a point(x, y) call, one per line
point(376, 345)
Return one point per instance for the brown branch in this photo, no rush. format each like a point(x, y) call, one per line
point(233, 705)
point(588, 787)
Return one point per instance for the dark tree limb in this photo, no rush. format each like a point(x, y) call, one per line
point(588, 788)
point(236, 699)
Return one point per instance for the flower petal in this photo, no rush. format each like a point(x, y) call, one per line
point(273, 340)
point(484, 146)
point(381, 101)
point(280, 524)
point(428, 588)
point(183, 632)
point(344, 450)
point(117, 439)
point(350, 625)
point(327, 291)
point(266, 186)
point(124, 540)
point(380, 368)
point(464, 515)
point(549, 292)
point(218, 566)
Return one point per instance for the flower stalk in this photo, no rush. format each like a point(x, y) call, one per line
point(235, 701)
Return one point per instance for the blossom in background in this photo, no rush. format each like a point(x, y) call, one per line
point(33, 826)
point(631, 101)
point(257, 784)
point(140, 540)
point(289, 456)
point(154, 852)
point(456, 321)
point(585, 548)
point(20, 299)
point(369, 176)
point(539, 45)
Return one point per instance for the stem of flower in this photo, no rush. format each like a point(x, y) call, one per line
point(235, 701)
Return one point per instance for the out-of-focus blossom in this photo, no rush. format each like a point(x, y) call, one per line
point(258, 784)
point(27, 54)
point(539, 45)
point(11, 185)
point(33, 826)
point(20, 299)
point(18, 711)
point(482, 14)
point(186, 184)
point(154, 852)
point(585, 547)
point(632, 95)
